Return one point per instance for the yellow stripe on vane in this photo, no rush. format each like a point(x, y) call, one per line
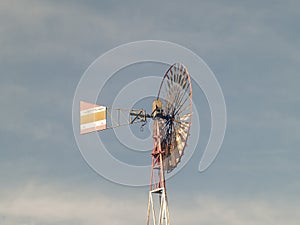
point(93, 117)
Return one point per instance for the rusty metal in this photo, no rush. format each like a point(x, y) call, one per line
point(172, 115)
point(175, 93)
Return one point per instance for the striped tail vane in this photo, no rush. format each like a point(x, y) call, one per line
point(95, 117)
point(92, 117)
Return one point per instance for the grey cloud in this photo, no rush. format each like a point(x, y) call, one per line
point(253, 48)
point(52, 205)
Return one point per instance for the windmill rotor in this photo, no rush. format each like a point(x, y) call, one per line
point(175, 94)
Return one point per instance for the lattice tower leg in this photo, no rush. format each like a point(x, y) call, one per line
point(158, 214)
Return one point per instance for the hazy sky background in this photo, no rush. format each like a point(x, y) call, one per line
point(253, 49)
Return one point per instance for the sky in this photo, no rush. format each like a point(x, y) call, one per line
point(251, 46)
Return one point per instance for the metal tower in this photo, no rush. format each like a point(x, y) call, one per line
point(172, 115)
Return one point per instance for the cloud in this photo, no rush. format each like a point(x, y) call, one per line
point(37, 205)
point(43, 32)
point(253, 48)
point(26, 113)
point(210, 210)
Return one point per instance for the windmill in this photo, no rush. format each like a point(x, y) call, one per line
point(172, 115)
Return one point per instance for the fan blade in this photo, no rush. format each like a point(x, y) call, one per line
point(180, 145)
point(185, 117)
point(184, 124)
point(176, 93)
point(172, 160)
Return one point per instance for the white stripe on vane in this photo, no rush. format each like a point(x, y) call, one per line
point(92, 110)
point(93, 124)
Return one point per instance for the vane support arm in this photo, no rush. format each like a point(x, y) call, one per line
point(138, 116)
point(95, 117)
